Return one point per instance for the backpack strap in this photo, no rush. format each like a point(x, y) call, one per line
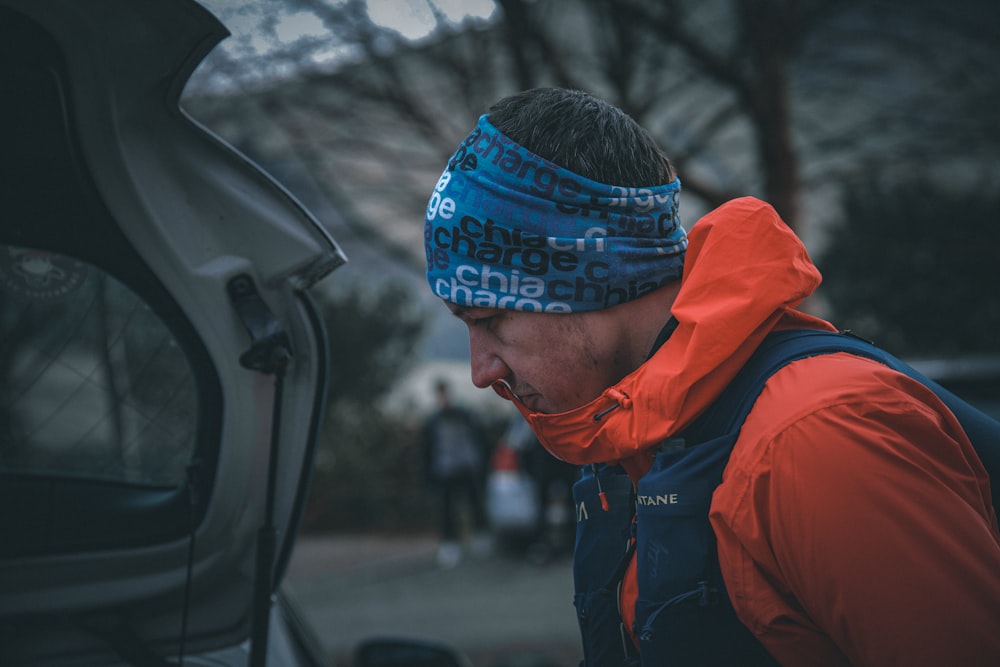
point(684, 615)
point(605, 508)
point(783, 347)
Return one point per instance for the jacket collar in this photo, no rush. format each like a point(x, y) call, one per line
point(744, 274)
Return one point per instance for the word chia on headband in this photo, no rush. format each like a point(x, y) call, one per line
point(506, 228)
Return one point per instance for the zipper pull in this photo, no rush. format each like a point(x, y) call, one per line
point(600, 492)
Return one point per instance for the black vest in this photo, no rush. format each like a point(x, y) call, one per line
point(683, 615)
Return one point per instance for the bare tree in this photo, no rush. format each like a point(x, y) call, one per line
point(777, 98)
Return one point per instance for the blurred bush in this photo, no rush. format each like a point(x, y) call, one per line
point(366, 474)
point(915, 266)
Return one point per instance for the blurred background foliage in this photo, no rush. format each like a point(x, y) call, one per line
point(916, 267)
point(364, 475)
point(369, 472)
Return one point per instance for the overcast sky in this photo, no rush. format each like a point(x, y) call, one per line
point(411, 18)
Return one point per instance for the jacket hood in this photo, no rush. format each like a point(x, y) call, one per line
point(744, 274)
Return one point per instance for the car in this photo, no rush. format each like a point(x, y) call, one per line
point(163, 364)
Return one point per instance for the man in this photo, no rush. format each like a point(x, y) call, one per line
point(854, 522)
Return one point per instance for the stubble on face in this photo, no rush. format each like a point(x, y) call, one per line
point(552, 362)
point(577, 357)
point(559, 362)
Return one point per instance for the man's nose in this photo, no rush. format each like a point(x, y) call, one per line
point(487, 366)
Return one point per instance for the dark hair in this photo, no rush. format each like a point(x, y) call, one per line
point(584, 134)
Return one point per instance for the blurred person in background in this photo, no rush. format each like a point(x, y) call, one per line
point(454, 452)
point(552, 521)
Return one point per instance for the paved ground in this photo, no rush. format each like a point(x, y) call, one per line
point(500, 610)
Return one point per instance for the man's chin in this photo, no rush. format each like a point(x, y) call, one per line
point(535, 403)
point(530, 401)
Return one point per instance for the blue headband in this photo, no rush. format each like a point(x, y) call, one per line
point(506, 228)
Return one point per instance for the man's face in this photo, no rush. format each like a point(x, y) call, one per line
point(552, 362)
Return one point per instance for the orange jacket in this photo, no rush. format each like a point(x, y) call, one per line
point(854, 520)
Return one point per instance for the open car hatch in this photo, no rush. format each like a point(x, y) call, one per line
point(163, 367)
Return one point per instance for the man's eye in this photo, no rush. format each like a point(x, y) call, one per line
point(487, 320)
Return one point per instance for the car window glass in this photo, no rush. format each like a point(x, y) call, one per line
point(92, 382)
